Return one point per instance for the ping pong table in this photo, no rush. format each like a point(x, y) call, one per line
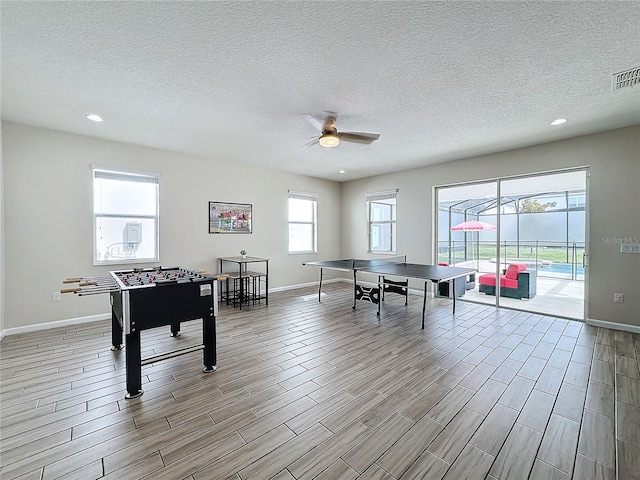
point(394, 267)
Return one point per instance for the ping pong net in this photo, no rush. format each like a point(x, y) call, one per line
point(378, 262)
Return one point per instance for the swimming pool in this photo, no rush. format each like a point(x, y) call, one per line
point(563, 268)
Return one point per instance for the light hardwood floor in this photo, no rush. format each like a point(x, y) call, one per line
point(316, 390)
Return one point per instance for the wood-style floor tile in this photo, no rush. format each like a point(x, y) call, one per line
point(627, 423)
point(307, 389)
point(517, 455)
point(600, 398)
point(366, 452)
point(559, 443)
point(317, 460)
point(544, 471)
point(537, 410)
point(588, 468)
point(397, 459)
point(628, 390)
point(471, 464)
point(427, 466)
point(628, 461)
point(597, 438)
point(492, 433)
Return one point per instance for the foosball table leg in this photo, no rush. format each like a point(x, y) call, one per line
point(133, 365)
point(209, 342)
point(175, 329)
point(116, 332)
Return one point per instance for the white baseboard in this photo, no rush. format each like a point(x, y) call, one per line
point(412, 291)
point(56, 324)
point(302, 285)
point(613, 325)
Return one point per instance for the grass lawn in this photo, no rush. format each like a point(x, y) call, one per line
point(487, 252)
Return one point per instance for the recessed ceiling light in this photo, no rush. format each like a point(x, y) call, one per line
point(95, 118)
point(342, 172)
point(559, 121)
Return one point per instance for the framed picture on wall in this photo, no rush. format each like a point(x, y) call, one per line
point(226, 217)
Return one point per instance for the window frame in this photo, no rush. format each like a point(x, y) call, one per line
point(375, 197)
point(311, 197)
point(103, 172)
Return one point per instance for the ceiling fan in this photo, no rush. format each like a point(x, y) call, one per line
point(330, 137)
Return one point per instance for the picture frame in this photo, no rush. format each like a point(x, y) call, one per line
point(229, 217)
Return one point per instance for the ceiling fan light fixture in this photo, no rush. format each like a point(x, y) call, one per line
point(329, 140)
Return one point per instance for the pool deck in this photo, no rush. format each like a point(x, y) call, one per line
point(555, 295)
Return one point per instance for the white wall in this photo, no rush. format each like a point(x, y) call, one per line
point(2, 303)
point(48, 222)
point(47, 231)
point(614, 164)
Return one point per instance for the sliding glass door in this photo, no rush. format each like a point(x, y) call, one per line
point(524, 236)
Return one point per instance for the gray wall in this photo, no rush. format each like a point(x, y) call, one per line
point(48, 224)
point(614, 200)
point(47, 230)
point(2, 302)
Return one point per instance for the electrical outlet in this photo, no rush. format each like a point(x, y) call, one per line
point(56, 296)
point(618, 298)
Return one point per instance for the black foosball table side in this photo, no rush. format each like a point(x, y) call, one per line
point(137, 309)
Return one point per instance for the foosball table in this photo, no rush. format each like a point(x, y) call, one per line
point(152, 297)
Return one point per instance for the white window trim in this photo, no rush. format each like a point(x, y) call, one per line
point(138, 176)
point(314, 224)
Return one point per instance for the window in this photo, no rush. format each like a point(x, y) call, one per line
point(381, 208)
point(302, 222)
point(125, 217)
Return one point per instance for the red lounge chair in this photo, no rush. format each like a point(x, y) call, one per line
point(516, 282)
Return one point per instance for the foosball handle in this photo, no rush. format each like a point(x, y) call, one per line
point(70, 290)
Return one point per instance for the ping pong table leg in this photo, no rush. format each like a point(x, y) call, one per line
point(320, 287)
point(355, 288)
point(452, 288)
point(424, 303)
point(380, 294)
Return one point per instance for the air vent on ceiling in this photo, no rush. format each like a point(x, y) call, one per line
point(625, 79)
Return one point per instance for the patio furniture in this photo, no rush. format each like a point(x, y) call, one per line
point(462, 284)
point(515, 282)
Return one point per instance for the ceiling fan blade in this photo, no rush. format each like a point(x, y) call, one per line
point(358, 137)
point(310, 143)
point(315, 121)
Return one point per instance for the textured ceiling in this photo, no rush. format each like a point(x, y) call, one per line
point(230, 80)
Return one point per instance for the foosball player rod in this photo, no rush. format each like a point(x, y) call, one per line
point(100, 291)
point(99, 281)
point(88, 279)
point(97, 288)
